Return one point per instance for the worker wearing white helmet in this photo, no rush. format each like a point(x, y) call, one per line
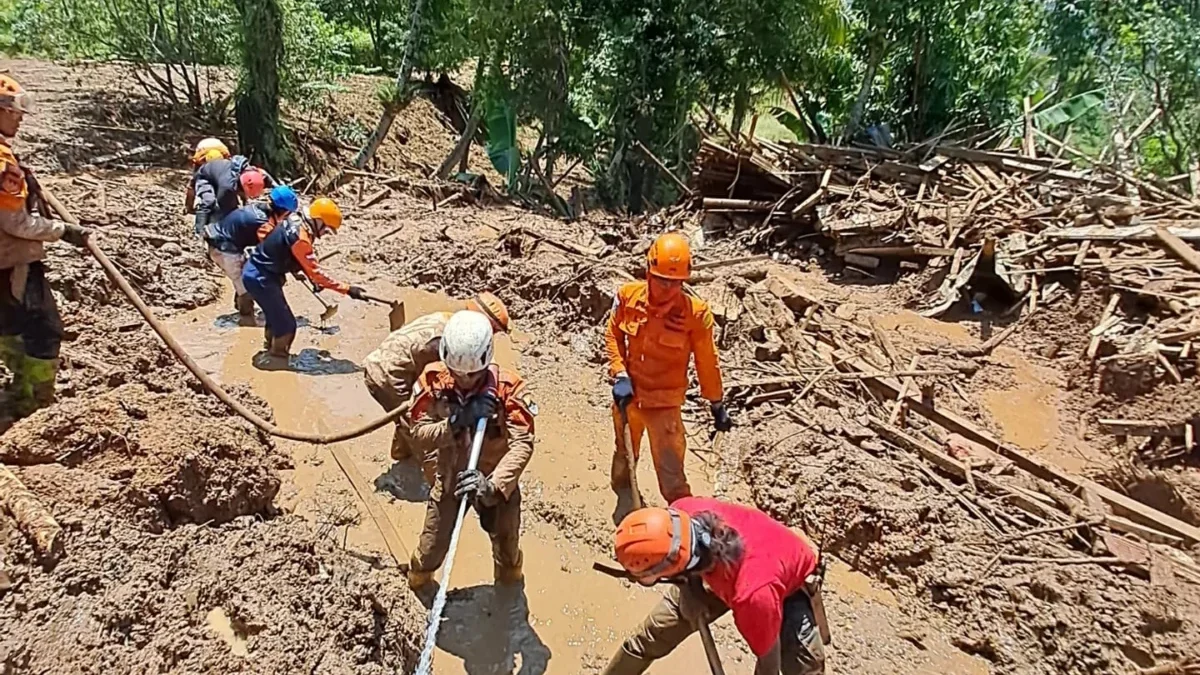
point(450, 397)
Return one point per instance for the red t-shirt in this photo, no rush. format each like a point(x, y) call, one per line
point(775, 564)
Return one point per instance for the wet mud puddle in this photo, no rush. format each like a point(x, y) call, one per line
point(566, 618)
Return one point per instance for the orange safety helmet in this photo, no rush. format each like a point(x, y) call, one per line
point(325, 210)
point(670, 257)
point(490, 305)
point(252, 182)
point(208, 150)
point(13, 96)
point(654, 543)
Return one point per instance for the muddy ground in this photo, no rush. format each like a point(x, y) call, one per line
point(197, 544)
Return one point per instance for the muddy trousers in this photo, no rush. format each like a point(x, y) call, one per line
point(267, 291)
point(30, 336)
point(664, 426)
point(502, 523)
point(232, 265)
point(402, 443)
point(801, 650)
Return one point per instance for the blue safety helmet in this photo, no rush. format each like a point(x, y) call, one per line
point(283, 198)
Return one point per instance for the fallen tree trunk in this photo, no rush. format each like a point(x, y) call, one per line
point(34, 521)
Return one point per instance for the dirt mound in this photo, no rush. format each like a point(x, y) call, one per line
point(245, 597)
point(889, 521)
point(171, 457)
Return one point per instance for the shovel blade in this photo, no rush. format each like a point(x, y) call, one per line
point(330, 312)
point(396, 318)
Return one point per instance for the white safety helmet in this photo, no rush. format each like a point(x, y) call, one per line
point(467, 342)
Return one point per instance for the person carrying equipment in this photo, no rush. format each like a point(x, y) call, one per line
point(391, 370)
point(288, 249)
point(229, 238)
point(653, 330)
point(725, 557)
point(221, 183)
point(450, 396)
point(30, 327)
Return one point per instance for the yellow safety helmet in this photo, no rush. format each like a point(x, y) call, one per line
point(209, 149)
point(325, 210)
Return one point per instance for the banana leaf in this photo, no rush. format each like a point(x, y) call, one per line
point(502, 148)
point(1069, 110)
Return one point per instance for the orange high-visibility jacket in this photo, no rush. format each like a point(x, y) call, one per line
point(654, 348)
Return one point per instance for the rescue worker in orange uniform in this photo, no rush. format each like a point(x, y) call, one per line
point(450, 397)
point(654, 329)
point(724, 557)
point(31, 329)
point(391, 370)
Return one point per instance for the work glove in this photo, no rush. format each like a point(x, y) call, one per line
point(622, 390)
point(721, 419)
point(75, 234)
point(478, 406)
point(473, 485)
point(357, 292)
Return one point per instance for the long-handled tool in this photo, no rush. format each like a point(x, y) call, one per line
point(706, 637)
point(630, 458)
point(396, 318)
point(439, 601)
point(331, 310)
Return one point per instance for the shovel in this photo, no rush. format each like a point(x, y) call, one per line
point(331, 310)
point(706, 637)
point(396, 318)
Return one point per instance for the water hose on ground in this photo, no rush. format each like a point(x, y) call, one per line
point(211, 385)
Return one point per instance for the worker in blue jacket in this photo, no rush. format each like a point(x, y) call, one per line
point(244, 228)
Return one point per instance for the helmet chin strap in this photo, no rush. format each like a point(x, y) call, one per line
point(701, 546)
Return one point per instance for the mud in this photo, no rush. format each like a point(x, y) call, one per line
point(195, 544)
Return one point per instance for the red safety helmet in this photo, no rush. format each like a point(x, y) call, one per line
point(253, 183)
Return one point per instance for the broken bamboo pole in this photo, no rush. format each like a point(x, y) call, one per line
point(34, 521)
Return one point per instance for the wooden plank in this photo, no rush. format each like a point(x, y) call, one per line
point(915, 250)
point(367, 496)
point(1150, 534)
point(1121, 504)
point(1144, 428)
point(1124, 233)
point(1179, 247)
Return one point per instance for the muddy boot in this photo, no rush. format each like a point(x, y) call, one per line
point(12, 353)
point(624, 663)
point(36, 385)
point(281, 347)
point(244, 304)
point(509, 575)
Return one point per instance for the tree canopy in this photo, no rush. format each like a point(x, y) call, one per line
point(608, 82)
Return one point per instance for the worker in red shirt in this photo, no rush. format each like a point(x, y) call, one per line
point(727, 557)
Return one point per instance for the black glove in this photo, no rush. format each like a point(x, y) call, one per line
point(478, 487)
point(622, 390)
point(721, 419)
point(74, 234)
point(477, 407)
point(357, 292)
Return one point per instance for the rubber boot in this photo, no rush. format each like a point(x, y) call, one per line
point(624, 663)
point(281, 346)
point(244, 304)
point(37, 385)
point(418, 580)
point(509, 575)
